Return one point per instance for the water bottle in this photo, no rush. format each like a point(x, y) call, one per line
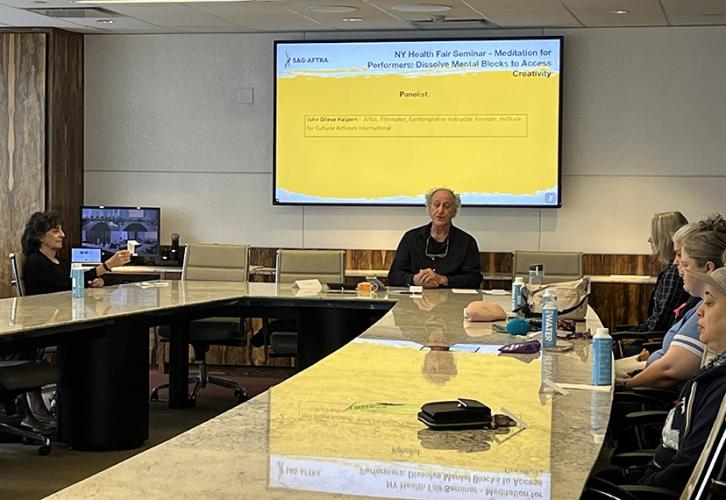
point(602, 357)
point(77, 276)
point(599, 410)
point(549, 318)
point(517, 285)
point(536, 274)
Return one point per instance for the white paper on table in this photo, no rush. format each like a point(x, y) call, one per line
point(465, 291)
point(587, 387)
point(308, 285)
point(154, 284)
point(496, 291)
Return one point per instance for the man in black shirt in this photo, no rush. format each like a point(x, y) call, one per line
point(437, 254)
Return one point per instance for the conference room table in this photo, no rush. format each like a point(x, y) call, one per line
point(103, 343)
point(347, 425)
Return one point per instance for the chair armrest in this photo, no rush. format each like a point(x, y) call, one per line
point(620, 328)
point(646, 417)
point(644, 492)
point(631, 397)
point(629, 334)
point(632, 458)
point(666, 395)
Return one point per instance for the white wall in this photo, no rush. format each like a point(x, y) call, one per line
point(644, 131)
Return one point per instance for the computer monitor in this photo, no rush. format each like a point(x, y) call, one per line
point(110, 228)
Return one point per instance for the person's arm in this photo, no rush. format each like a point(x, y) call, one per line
point(676, 365)
point(470, 274)
point(118, 259)
point(401, 272)
point(667, 296)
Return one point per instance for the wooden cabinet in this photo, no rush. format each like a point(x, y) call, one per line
point(41, 134)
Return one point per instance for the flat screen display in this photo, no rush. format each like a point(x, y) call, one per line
point(86, 255)
point(110, 228)
point(383, 122)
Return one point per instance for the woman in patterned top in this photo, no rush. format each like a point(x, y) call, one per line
point(668, 293)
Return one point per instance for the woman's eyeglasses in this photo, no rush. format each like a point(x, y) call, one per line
point(436, 255)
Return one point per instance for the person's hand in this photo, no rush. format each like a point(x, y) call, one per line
point(433, 279)
point(97, 283)
point(119, 259)
point(620, 384)
point(644, 355)
point(426, 278)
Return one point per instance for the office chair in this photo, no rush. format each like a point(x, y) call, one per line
point(706, 481)
point(558, 266)
point(212, 262)
point(280, 335)
point(17, 378)
point(17, 268)
point(17, 265)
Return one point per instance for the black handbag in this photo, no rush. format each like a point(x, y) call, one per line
point(460, 414)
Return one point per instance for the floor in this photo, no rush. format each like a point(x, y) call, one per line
point(26, 475)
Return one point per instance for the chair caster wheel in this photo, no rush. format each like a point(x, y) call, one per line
point(44, 450)
point(241, 395)
point(154, 397)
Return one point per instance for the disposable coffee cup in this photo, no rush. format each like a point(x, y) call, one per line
point(131, 246)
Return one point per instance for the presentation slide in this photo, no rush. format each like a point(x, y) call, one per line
point(381, 123)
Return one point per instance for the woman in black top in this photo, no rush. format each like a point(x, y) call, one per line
point(45, 272)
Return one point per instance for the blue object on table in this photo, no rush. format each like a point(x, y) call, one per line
point(517, 326)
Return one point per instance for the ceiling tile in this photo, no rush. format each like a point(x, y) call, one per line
point(167, 15)
point(545, 18)
point(692, 8)
point(596, 13)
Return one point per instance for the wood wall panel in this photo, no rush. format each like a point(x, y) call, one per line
point(22, 148)
point(41, 129)
point(620, 304)
point(491, 262)
point(65, 135)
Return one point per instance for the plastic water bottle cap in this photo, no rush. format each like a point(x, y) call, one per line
point(519, 280)
point(76, 265)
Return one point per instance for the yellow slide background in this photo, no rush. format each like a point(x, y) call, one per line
point(356, 167)
point(330, 411)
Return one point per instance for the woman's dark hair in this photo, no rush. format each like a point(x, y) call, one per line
point(38, 224)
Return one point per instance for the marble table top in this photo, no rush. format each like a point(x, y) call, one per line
point(347, 426)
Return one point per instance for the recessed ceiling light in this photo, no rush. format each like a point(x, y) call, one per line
point(331, 9)
point(352, 19)
point(619, 12)
point(421, 7)
point(105, 21)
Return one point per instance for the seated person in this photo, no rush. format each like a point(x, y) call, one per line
point(668, 293)
point(681, 354)
point(437, 254)
point(629, 364)
point(689, 423)
point(45, 271)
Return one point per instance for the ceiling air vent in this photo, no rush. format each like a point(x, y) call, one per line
point(442, 23)
point(75, 12)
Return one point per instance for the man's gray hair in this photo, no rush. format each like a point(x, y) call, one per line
point(430, 196)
